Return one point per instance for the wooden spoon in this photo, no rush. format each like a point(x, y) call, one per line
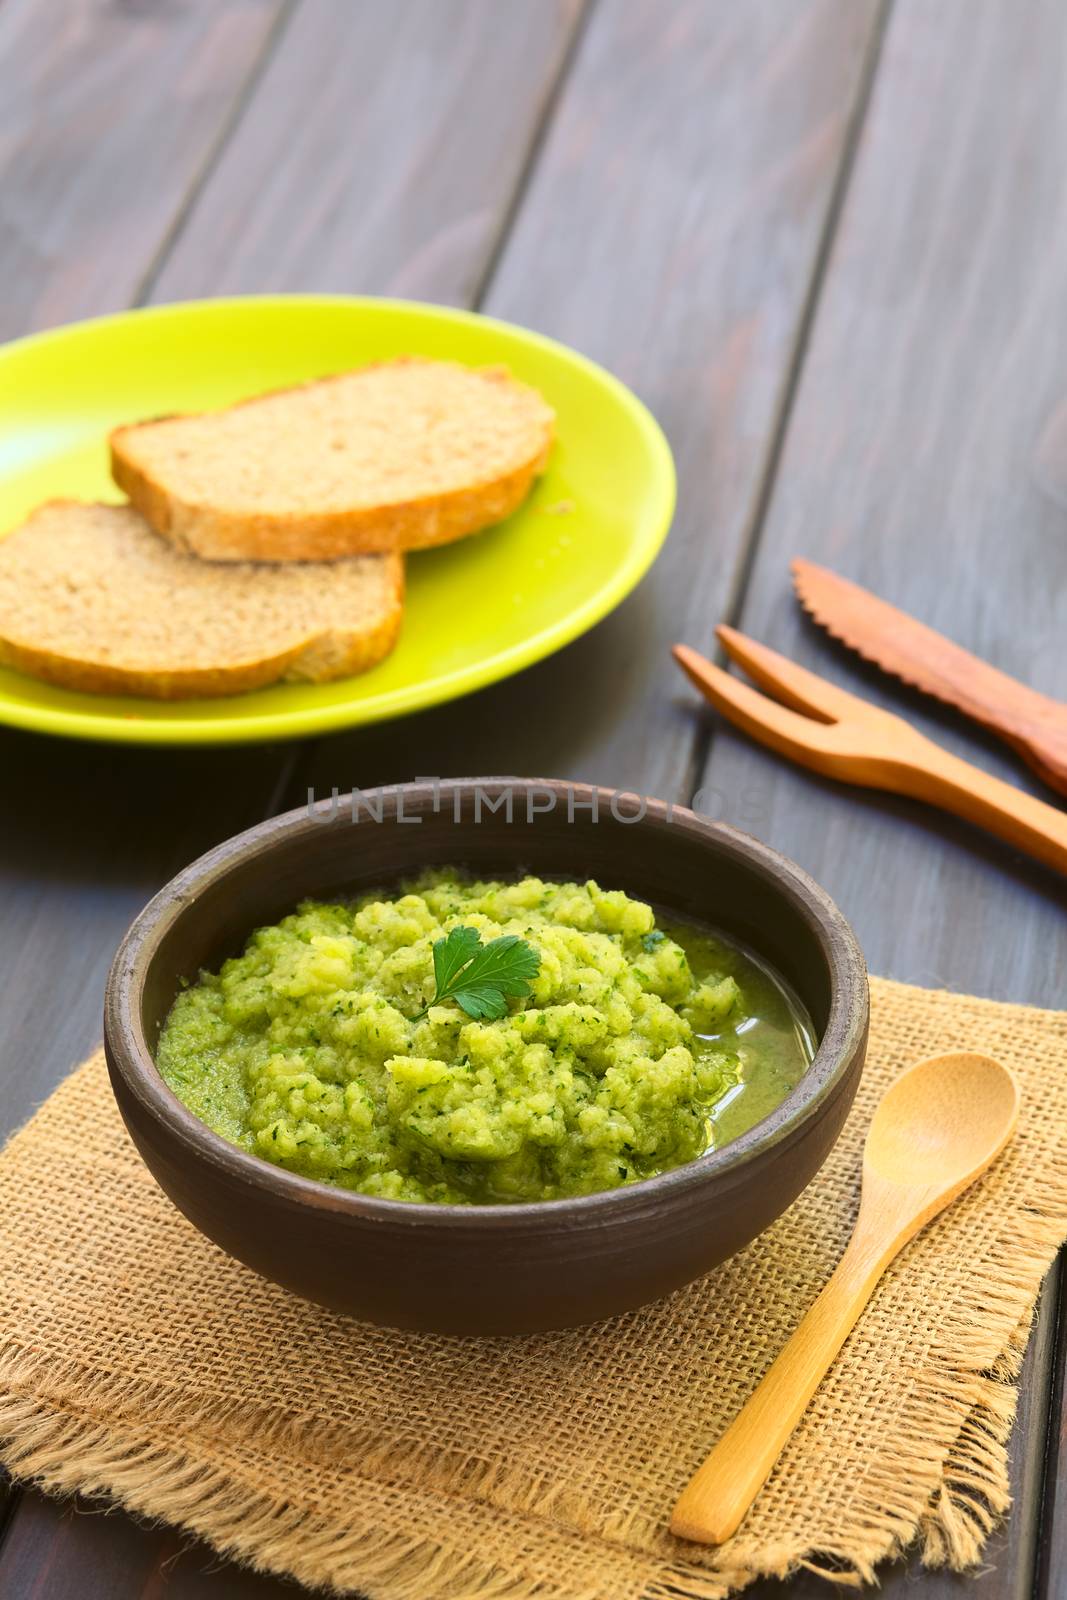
point(936, 1129)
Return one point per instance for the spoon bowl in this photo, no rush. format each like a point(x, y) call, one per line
point(942, 1122)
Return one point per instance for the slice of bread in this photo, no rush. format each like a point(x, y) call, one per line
point(91, 598)
point(396, 456)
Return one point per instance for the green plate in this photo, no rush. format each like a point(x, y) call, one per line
point(477, 610)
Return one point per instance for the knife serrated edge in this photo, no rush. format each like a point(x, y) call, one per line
point(923, 658)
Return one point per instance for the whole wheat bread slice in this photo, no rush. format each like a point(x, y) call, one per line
point(395, 456)
point(93, 599)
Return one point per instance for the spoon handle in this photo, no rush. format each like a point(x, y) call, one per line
point(719, 1494)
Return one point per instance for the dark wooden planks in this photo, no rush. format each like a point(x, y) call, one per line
point(343, 176)
point(88, 832)
point(1023, 1546)
point(96, 1557)
point(80, 1563)
point(937, 353)
point(670, 230)
point(331, 99)
point(813, 73)
point(1052, 1528)
point(88, 835)
point(108, 116)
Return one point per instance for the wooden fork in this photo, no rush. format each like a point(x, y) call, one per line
point(838, 734)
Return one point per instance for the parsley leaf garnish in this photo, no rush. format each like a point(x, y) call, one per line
point(451, 955)
point(481, 978)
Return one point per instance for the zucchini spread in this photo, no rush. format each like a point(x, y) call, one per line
point(327, 1048)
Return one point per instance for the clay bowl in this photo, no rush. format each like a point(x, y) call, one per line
point(487, 1269)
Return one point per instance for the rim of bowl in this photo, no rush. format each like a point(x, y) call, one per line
point(846, 1026)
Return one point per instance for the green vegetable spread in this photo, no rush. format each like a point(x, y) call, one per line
point(475, 1041)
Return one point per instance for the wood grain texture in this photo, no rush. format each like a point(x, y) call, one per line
point(933, 361)
point(1051, 1531)
point(347, 177)
point(85, 842)
point(936, 354)
point(932, 320)
point(109, 115)
point(73, 1552)
point(89, 833)
point(670, 230)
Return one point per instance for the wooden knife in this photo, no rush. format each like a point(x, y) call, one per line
point(1033, 723)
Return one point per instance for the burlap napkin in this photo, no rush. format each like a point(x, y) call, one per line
point(138, 1362)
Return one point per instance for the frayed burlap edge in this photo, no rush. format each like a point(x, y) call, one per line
point(101, 1438)
point(67, 1452)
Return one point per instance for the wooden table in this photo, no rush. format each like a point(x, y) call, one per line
point(825, 241)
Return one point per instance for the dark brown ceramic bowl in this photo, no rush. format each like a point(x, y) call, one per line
point(487, 1269)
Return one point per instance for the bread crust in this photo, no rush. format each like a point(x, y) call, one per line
point(320, 658)
point(220, 534)
point(409, 525)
